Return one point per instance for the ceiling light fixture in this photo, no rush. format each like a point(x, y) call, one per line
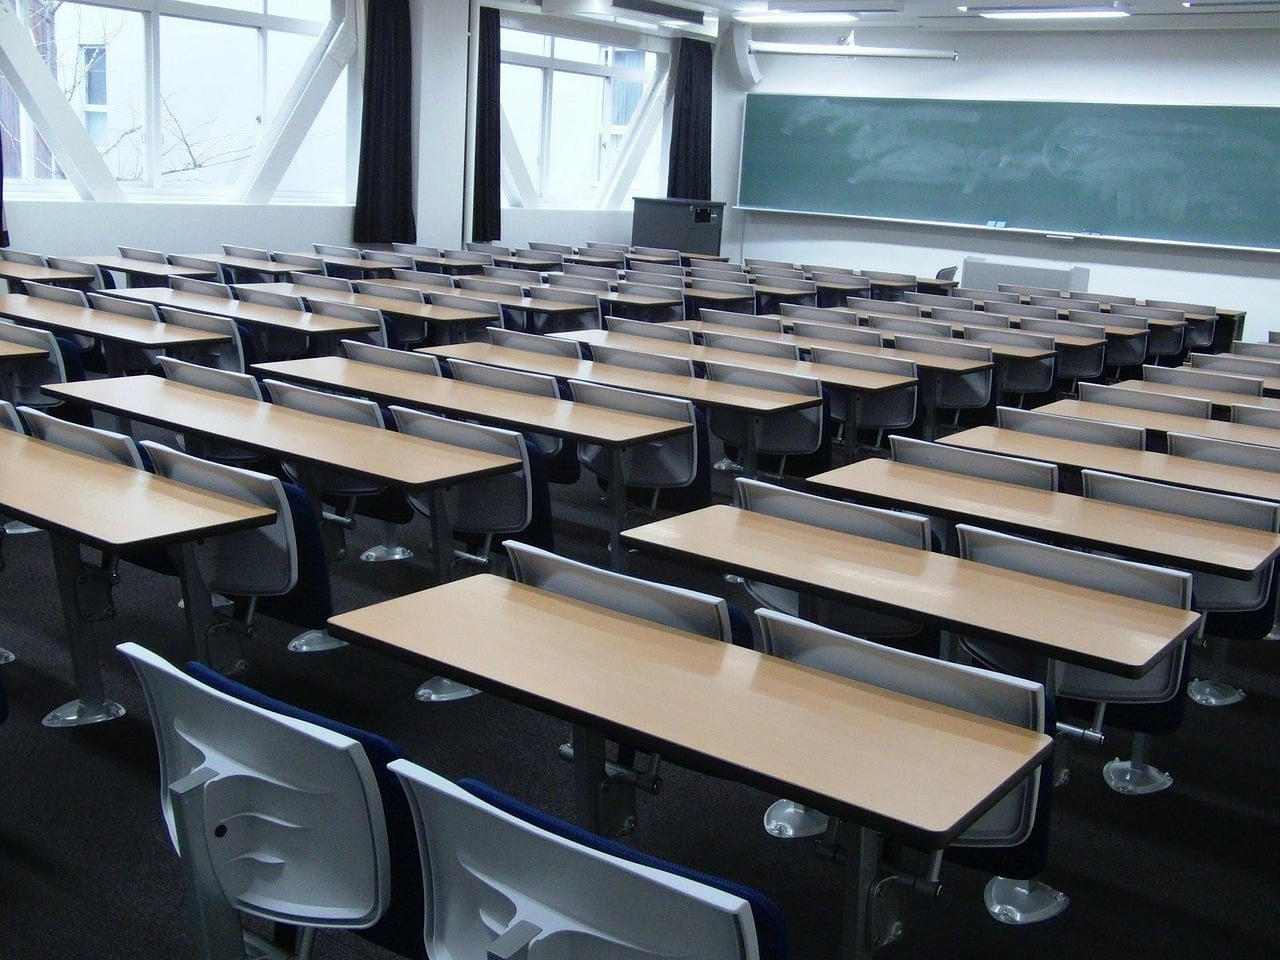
point(794, 18)
point(847, 49)
point(1047, 13)
point(1228, 4)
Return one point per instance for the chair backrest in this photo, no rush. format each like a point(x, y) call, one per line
point(22, 256)
point(664, 253)
point(1181, 305)
point(543, 246)
point(320, 282)
point(298, 260)
point(9, 418)
point(1070, 428)
point(423, 363)
point(1007, 699)
point(521, 381)
point(762, 262)
point(666, 282)
point(472, 304)
point(831, 315)
point(412, 248)
point(1204, 379)
point(642, 360)
point(1145, 400)
point(49, 291)
point(890, 526)
point(765, 348)
point(985, 296)
point(573, 281)
point(204, 288)
point(393, 291)
point(971, 318)
point(423, 278)
point(351, 409)
point(845, 281)
point(478, 246)
point(194, 263)
point(776, 273)
point(25, 378)
point(525, 277)
point(1109, 298)
point(658, 290)
point(974, 463)
point(502, 503)
point(1096, 572)
point(286, 821)
point(103, 444)
point(643, 328)
point(72, 265)
point(224, 354)
point(938, 300)
point(470, 256)
point(390, 258)
point(591, 270)
point(912, 325)
point(747, 321)
point(868, 305)
point(140, 253)
point(670, 462)
point(600, 903)
point(1027, 290)
point(839, 271)
point(211, 378)
point(1008, 337)
point(336, 249)
point(1226, 452)
point(1255, 416)
point(1248, 348)
point(1062, 328)
point(1064, 303)
point(269, 298)
point(678, 607)
point(842, 333)
point(487, 285)
point(535, 343)
point(862, 361)
point(947, 273)
point(128, 308)
point(360, 314)
point(949, 347)
point(1235, 363)
point(249, 253)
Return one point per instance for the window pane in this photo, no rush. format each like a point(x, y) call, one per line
point(579, 51)
point(517, 41)
point(302, 9)
point(210, 116)
point(573, 169)
point(320, 165)
point(522, 106)
point(93, 58)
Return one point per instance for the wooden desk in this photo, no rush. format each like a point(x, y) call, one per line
point(526, 263)
point(146, 270)
point(102, 324)
point(1222, 400)
point(267, 268)
point(314, 443)
point(443, 320)
point(1151, 536)
point(1057, 620)
point(639, 304)
point(365, 268)
point(1270, 382)
point(614, 429)
point(707, 393)
point(915, 771)
point(326, 330)
point(1155, 422)
point(1145, 465)
point(13, 272)
point(450, 265)
point(83, 500)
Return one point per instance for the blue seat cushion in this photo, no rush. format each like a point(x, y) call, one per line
point(771, 924)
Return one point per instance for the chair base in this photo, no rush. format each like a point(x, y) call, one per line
point(1214, 693)
point(6, 656)
point(1134, 779)
point(442, 690)
point(386, 551)
point(727, 465)
point(1023, 901)
point(789, 820)
point(315, 641)
point(16, 528)
point(79, 713)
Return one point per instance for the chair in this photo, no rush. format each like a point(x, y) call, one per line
point(835, 333)
point(101, 280)
point(194, 263)
point(781, 435)
point(1075, 363)
point(518, 381)
point(1107, 298)
point(1246, 348)
point(543, 246)
point(1145, 400)
point(140, 253)
point(890, 285)
point(760, 262)
point(1064, 303)
point(784, 290)
point(572, 281)
point(609, 274)
point(716, 340)
point(224, 354)
point(1151, 703)
point(1014, 832)
point(274, 816)
point(588, 318)
point(9, 419)
point(1221, 598)
point(1121, 351)
point(643, 328)
point(974, 463)
point(1235, 363)
point(338, 485)
point(338, 250)
point(534, 343)
point(834, 316)
point(120, 357)
point(22, 256)
point(660, 255)
point(1070, 428)
point(92, 441)
point(588, 896)
point(1163, 341)
point(410, 331)
point(1226, 452)
point(951, 390)
point(88, 346)
point(24, 378)
point(493, 249)
point(630, 288)
point(390, 258)
point(944, 300)
point(1018, 377)
point(914, 326)
point(412, 248)
point(642, 360)
point(380, 334)
point(203, 288)
point(879, 411)
point(777, 269)
point(491, 311)
point(657, 465)
point(1204, 380)
point(409, 360)
point(320, 281)
point(524, 277)
point(224, 381)
point(424, 278)
point(745, 321)
point(1255, 416)
point(1201, 328)
point(1016, 308)
point(1028, 290)
point(970, 318)
point(875, 305)
point(302, 260)
point(839, 285)
point(985, 296)
point(271, 342)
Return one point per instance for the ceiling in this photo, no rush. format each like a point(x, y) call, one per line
point(664, 16)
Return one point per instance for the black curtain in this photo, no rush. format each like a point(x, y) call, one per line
point(689, 166)
point(4, 222)
point(384, 186)
point(486, 200)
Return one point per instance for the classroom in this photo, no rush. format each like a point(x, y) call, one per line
point(86, 863)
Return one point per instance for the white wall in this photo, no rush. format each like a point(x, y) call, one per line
point(1193, 67)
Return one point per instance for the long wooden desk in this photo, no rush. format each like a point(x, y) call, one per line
point(80, 499)
point(360, 265)
point(13, 271)
point(266, 268)
point(20, 351)
point(1152, 536)
point(1143, 464)
point(1053, 619)
point(145, 270)
point(1155, 422)
point(640, 305)
point(314, 443)
point(701, 391)
point(444, 320)
point(614, 429)
point(1222, 400)
point(102, 324)
point(914, 770)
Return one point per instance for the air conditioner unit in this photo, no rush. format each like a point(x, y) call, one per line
point(657, 16)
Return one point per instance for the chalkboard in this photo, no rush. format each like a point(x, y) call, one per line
point(1196, 174)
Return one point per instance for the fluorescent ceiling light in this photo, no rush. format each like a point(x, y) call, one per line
point(794, 18)
point(1228, 4)
point(1046, 13)
point(847, 50)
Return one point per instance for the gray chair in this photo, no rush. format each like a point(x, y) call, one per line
point(916, 326)
point(981, 295)
point(518, 381)
point(24, 379)
point(780, 349)
point(947, 390)
point(378, 334)
point(1018, 377)
point(733, 318)
point(833, 316)
point(534, 343)
point(225, 354)
point(320, 281)
point(409, 360)
point(781, 435)
point(1145, 400)
point(642, 360)
point(1076, 363)
point(898, 308)
point(1255, 416)
point(203, 288)
point(643, 328)
point(1204, 380)
point(1121, 351)
point(588, 318)
point(123, 358)
point(1070, 428)
point(232, 382)
point(270, 342)
point(836, 333)
point(493, 315)
point(879, 411)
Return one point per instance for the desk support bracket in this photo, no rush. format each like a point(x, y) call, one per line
point(606, 802)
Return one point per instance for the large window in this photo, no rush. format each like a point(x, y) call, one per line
point(175, 98)
point(581, 121)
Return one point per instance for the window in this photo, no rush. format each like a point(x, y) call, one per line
point(581, 121)
point(176, 98)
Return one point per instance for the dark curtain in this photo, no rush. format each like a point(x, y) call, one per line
point(486, 201)
point(384, 187)
point(4, 222)
point(689, 167)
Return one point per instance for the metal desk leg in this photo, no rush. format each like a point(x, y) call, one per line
point(606, 803)
point(860, 934)
point(617, 512)
point(929, 398)
point(439, 689)
point(91, 706)
point(197, 601)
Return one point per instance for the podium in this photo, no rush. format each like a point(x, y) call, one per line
point(690, 226)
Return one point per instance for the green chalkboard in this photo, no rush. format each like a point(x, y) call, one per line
point(1204, 175)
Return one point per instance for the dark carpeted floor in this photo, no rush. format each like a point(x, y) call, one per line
point(86, 870)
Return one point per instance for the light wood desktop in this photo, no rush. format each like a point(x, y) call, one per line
point(915, 771)
point(1151, 536)
point(13, 271)
point(79, 500)
point(267, 268)
point(314, 443)
point(1142, 464)
point(146, 270)
point(1155, 422)
point(704, 392)
point(102, 324)
point(614, 429)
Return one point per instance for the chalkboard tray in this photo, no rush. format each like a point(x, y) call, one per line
point(1193, 174)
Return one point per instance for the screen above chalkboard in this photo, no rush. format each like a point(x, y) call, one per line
point(1190, 174)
